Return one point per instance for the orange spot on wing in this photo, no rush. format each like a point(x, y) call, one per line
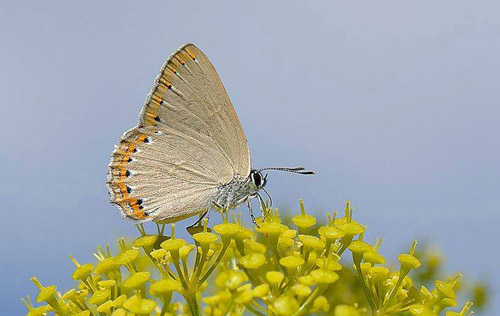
point(179, 59)
point(189, 53)
point(130, 205)
point(156, 99)
point(172, 69)
point(164, 82)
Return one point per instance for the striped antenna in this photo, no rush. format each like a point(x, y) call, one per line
point(297, 170)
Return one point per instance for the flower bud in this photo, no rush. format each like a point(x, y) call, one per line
point(345, 310)
point(285, 305)
point(261, 290)
point(158, 254)
point(173, 244)
point(137, 280)
point(324, 276)
point(328, 264)
point(312, 242)
point(46, 293)
point(235, 279)
point(82, 272)
point(420, 310)
point(274, 277)
point(119, 312)
point(139, 306)
point(164, 287)
point(303, 221)
point(127, 256)
point(253, 260)
point(106, 284)
point(243, 296)
point(99, 297)
point(105, 307)
point(301, 290)
point(408, 261)
point(373, 257)
point(146, 241)
point(291, 262)
point(321, 304)
point(118, 302)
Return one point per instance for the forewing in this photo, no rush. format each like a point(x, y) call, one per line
point(189, 96)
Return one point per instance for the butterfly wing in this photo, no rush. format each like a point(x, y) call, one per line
point(188, 142)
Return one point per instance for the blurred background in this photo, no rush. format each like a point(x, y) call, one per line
point(394, 104)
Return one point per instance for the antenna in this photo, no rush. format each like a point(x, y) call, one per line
point(297, 170)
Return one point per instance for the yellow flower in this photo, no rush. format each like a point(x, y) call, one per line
point(106, 284)
point(173, 244)
point(345, 310)
point(260, 290)
point(321, 304)
point(301, 290)
point(146, 241)
point(324, 276)
point(137, 280)
point(291, 262)
point(303, 221)
point(127, 256)
point(164, 286)
point(99, 297)
point(139, 306)
point(274, 277)
point(235, 271)
point(408, 261)
point(285, 305)
point(82, 272)
point(253, 260)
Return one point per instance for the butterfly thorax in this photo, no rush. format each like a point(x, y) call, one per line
point(235, 193)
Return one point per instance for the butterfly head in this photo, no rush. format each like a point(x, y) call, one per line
point(258, 179)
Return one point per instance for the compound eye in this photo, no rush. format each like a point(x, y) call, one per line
point(257, 179)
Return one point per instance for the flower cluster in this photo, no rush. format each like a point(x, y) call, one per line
point(272, 269)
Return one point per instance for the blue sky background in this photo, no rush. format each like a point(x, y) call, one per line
point(395, 105)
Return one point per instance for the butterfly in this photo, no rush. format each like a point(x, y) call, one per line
point(188, 153)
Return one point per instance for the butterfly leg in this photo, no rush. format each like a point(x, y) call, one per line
point(249, 204)
point(262, 207)
point(193, 228)
point(217, 206)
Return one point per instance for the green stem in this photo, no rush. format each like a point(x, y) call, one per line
point(258, 306)
point(193, 305)
point(160, 268)
point(328, 248)
point(254, 281)
point(306, 259)
point(58, 309)
point(166, 303)
point(274, 250)
point(253, 310)
point(394, 290)
point(341, 250)
point(309, 301)
point(181, 275)
point(365, 288)
point(184, 267)
point(199, 268)
point(216, 262)
point(86, 282)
